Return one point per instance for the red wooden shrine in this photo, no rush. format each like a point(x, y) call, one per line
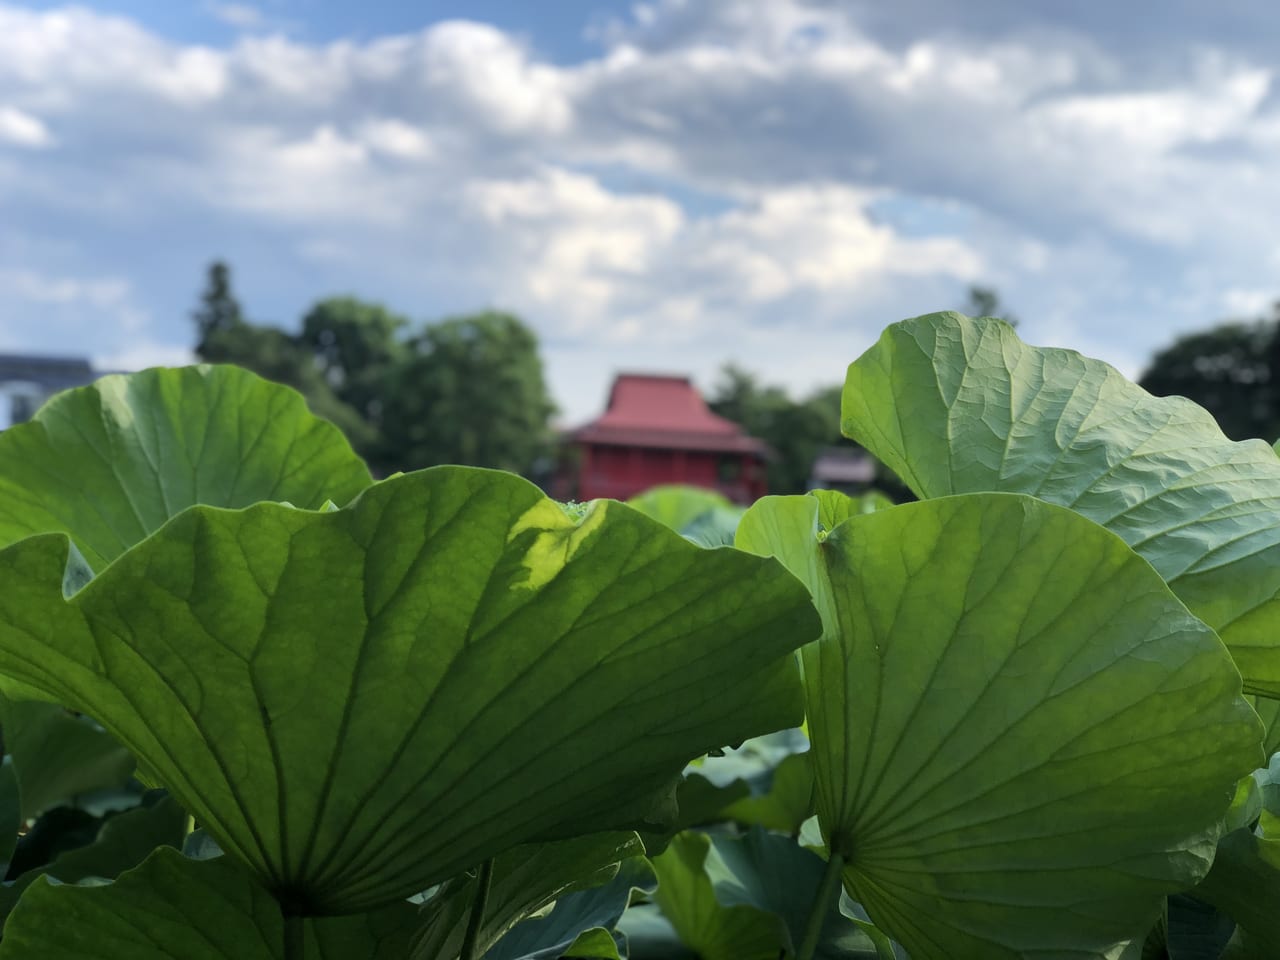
point(657, 429)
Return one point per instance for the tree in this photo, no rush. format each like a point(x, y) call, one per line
point(985, 302)
point(1232, 370)
point(219, 311)
point(355, 346)
point(468, 390)
point(796, 431)
point(224, 336)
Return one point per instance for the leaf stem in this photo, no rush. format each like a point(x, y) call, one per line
point(821, 903)
point(477, 912)
point(294, 937)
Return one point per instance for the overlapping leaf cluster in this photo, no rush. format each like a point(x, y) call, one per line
point(256, 705)
point(356, 705)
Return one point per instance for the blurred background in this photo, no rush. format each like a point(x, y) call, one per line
point(613, 244)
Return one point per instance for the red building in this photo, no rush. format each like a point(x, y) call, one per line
point(657, 429)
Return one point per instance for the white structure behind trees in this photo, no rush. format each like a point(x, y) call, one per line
point(28, 381)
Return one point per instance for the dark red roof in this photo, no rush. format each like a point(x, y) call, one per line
point(649, 410)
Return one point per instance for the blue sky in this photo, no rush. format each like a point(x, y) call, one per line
point(667, 186)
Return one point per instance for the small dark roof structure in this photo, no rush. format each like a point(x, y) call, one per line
point(50, 373)
point(654, 410)
point(843, 466)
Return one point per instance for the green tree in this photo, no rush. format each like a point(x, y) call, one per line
point(796, 431)
point(985, 302)
point(469, 390)
point(355, 346)
point(1232, 370)
point(224, 336)
point(219, 310)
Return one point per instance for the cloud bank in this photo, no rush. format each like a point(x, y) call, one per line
point(768, 181)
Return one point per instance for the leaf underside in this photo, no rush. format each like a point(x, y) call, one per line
point(957, 405)
point(1022, 741)
point(361, 703)
point(110, 462)
point(171, 906)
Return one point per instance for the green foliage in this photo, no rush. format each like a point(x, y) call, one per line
point(224, 336)
point(1232, 370)
point(219, 310)
point(151, 444)
point(113, 844)
point(58, 756)
point(1269, 710)
point(687, 896)
point(444, 717)
point(765, 878)
point(470, 390)
point(796, 431)
point(985, 302)
point(786, 804)
point(525, 881)
point(172, 906)
point(582, 923)
point(955, 405)
point(1244, 884)
point(987, 812)
point(356, 347)
point(677, 506)
point(703, 516)
point(357, 721)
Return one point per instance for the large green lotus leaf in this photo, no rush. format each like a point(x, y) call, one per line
point(786, 804)
point(698, 801)
point(1245, 883)
point(171, 906)
point(1022, 741)
point(677, 505)
point(110, 462)
point(774, 873)
point(741, 896)
point(58, 756)
point(715, 528)
point(523, 881)
point(650, 935)
point(956, 405)
point(124, 841)
point(713, 930)
point(579, 921)
point(1188, 929)
point(361, 703)
point(1269, 711)
point(10, 812)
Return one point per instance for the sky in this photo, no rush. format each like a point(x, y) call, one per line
point(664, 186)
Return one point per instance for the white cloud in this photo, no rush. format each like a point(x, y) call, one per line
point(396, 138)
point(573, 244)
point(715, 177)
point(637, 267)
point(486, 71)
point(1220, 105)
point(1242, 303)
point(22, 129)
point(67, 59)
point(55, 307)
point(41, 288)
point(238, 15)
point(821, 238)
point(142, 354)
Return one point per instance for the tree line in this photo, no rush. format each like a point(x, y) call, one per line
point(472, 389)
point(467, 389)
point(1232, 370)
